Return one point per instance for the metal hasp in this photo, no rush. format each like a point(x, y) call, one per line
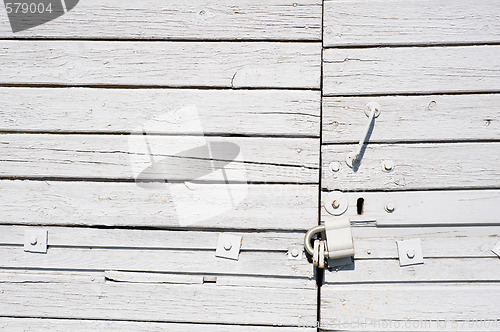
point(372, 110)
point(35, 240)
point(410, 252)
point(228, 246)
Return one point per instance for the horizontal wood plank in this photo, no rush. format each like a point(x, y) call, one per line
point(256, 263)
point(162, 64)
point(359, 71)
point(126, 204)
point(74, 325)
point(207, 303)
point(175, 19)
point(413, 118)
point(400, 22)
point(158, 239)
point(433, 270)
point(393, 307)
point(416, 166)
point(161, 111)
point(446, 243)
point(171, 158)
point(419, 208)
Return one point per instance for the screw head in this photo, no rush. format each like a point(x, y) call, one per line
point(390, 206)
point(387, 165)
point(228, 246)
point(410, 253)
point(295, 253)
point(334, 166)
point(335, 204)
point(33, 241)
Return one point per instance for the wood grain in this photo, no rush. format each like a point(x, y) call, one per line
point(400, 22)
point(175, 19)
point(126, 204)
point(433, 270)
point(420, 208)
point(42, 325)
point(464, 69)
point(413, 118)
point(172, 112)
point(151, 239)
point(389, 307)
point(207, 303)
point(255, 263)
point(162, 64)
point(417, 166)
point(150, 157)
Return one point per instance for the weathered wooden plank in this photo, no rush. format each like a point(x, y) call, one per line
point(465, 246)
point(160, 239)
point(433, 270)
point(411, 70)
point(394, 307)
point(414, 208)
point(413, 118)
point(399, 22)
point(161, 111)
point(156, 260)
point(126, 204)
point(171, 158)
point(174, 19)
point(207, 303)
point(165, 64)
point(417, 166)
point(62, 325)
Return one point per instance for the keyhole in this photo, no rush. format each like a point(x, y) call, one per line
point(359, 205)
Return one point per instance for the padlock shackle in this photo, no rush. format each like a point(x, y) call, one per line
point(308, 238)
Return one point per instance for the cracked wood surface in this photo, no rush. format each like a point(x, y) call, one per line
point(416, 166)
point(165, 64)
point(97, 299)
point(400, 70)
point(402, 22)
point(413, 118)
point(177, 19)
point(159, 158)
point(219, 112)
point(285, 207)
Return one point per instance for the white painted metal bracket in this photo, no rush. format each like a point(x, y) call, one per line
point(410, 252)
point(35, 240)
point(228, 246)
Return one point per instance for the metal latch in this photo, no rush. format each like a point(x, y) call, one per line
point(372, 111)
point(337, 244)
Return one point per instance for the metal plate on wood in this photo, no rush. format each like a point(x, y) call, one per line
point(410, 252)
point(35, 240)
point(228, 246)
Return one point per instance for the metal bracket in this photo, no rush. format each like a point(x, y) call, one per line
point(410, 252)
point(35, 240)
point(228, 246)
